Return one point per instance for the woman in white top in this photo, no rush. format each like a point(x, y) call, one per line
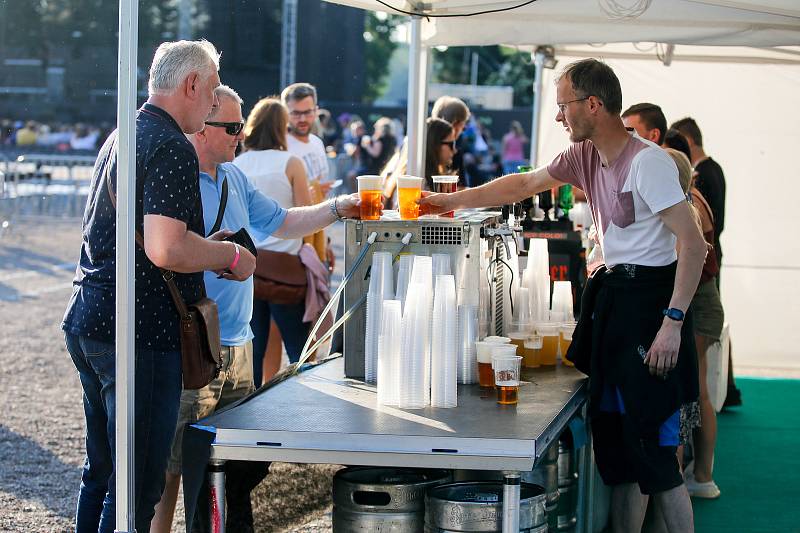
point(282, 177)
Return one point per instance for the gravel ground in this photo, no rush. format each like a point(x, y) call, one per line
point(42, 425)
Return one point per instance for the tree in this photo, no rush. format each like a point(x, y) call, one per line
point(378, 49)
point(497, 65)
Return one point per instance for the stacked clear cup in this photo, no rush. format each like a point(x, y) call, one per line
point(562, 303)
point(409, 190)
point(467, 335)
point(413, 347)
point(403, 277)
point(422, 273)
point(381, 287)
point(370, 190)
point(446, 184)
point(483, 350)
point(521, 320)
point(389, 353)
point(444, 348)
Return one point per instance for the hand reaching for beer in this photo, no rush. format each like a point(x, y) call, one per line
point(348, 205)
point(433, 203)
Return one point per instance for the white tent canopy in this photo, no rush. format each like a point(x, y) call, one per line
point(742, 96)
point(753, 23)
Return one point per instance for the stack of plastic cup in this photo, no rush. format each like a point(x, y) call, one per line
point(441, 265)
point(414, 346)
point(422, 273)
point(467, 335)
point(537, 278)
point(521, 320)
point(389, 353)
point(381, 287)
point(403, 277)
point(444, 348)
point(562, 299)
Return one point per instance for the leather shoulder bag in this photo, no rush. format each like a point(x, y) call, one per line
point(280, 278)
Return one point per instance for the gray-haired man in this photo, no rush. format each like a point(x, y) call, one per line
point(183, 80)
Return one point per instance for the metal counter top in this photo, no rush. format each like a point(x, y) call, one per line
point(319, 416)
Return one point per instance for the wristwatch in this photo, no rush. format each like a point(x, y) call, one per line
point(675, 314)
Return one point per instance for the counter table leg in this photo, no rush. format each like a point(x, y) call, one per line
point(216, 501)
point(585, 507)
point(511, 487)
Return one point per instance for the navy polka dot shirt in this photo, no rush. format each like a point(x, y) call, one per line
point(167, 184)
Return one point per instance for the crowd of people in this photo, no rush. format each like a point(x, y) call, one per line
point(56, 137)
point(203, 172)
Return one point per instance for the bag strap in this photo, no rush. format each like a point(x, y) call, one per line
point(222, 203)
point(168, 275)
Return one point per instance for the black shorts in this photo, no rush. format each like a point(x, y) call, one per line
point(623, 456)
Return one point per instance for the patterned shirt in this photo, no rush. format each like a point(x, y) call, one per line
point(167, 176)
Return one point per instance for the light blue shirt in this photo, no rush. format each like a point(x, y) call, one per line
point(247, 208)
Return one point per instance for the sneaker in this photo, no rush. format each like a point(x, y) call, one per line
point(733, 398)
point(708, 490)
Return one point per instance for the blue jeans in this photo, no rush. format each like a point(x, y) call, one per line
point(289, 319)
point(158, 390)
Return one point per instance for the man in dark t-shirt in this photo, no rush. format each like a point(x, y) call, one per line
point(710, 180)
point(169, 215)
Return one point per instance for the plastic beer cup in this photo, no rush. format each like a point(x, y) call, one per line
point(369, 192)
point(506, 377)
point(409, 190)
point(483, 350)
point(445, 184)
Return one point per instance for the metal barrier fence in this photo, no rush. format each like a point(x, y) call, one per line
point(43, 185)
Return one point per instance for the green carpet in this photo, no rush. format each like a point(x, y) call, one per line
point(757, 462)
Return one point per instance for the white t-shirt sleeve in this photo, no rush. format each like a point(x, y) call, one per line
point(656, 180)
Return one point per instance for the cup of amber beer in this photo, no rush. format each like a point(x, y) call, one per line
point(506, 377)
point(483, 351)
point(409, 190)
point(369, 192)
point(445, 184)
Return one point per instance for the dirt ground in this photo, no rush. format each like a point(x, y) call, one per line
point(42, 424)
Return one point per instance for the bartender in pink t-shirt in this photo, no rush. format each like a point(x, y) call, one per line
point(640, 351)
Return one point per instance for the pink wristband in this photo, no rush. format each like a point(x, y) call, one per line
point(235, 258)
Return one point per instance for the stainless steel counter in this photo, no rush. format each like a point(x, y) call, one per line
point(320, 416)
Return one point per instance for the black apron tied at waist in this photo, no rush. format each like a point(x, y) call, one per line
point(621, 312)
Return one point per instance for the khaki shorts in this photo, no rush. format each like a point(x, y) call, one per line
point(708, 313)
point(234, 382)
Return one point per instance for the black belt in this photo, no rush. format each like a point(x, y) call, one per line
point(642, 272)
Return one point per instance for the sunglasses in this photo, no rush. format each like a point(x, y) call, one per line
point(451, 144)
point(231, 128)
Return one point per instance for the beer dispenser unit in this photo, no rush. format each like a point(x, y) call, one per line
point(472, 239)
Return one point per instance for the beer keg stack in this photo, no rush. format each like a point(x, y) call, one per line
point(382, 499)
point(477, 506)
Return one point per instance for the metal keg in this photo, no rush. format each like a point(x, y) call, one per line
point(390, 500)
point(478, 506)
point(567, 487)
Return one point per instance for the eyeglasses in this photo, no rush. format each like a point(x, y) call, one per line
point(563, 106)
point(231, 128)
point(301, 114)
point(451, 144)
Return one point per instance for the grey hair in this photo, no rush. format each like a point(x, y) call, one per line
point(224, 91)
point(174, 61)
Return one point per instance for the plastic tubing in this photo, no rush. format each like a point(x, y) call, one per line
point(305, 354)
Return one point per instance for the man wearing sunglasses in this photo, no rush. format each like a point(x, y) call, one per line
point(245, 207)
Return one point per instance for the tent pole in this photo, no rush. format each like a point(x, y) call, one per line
point(417, 99)
point(538, 82)
point(125, 269)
